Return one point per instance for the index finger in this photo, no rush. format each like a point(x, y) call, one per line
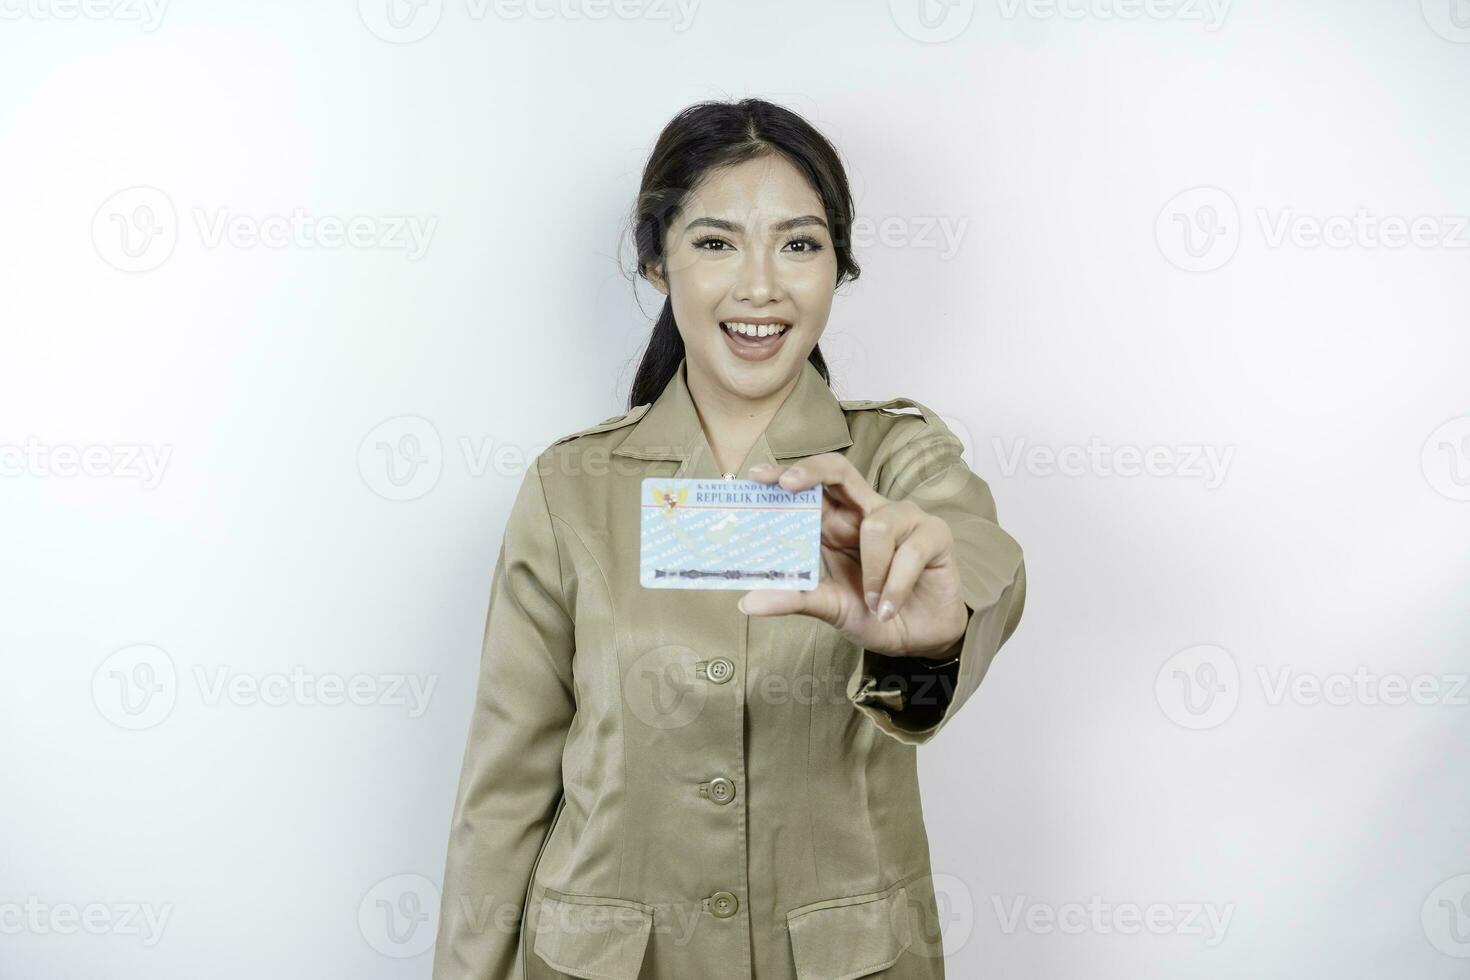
point(837, 475)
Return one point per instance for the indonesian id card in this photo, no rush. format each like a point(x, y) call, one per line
point(729, 534)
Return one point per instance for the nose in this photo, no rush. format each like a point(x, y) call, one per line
point(758, 281)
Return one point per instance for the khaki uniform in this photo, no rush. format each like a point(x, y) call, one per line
point(673, 790)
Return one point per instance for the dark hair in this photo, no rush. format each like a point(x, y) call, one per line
point(706, 136)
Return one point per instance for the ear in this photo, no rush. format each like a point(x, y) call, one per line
point(655, 275)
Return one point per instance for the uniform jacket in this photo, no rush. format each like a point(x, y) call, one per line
point(659, 787)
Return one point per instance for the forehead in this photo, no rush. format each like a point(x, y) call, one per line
point(768, 187)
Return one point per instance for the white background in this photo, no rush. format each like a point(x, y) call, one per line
point(1133, 746)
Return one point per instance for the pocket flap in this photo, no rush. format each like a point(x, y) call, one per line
point(593, 938)
point(852, 937)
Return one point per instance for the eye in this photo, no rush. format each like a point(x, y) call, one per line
point(810, 244)
point(711, 240)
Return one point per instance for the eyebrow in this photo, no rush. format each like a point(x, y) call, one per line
point(737, 228)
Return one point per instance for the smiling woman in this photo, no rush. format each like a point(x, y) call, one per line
point(664, 784)
point(743, 221)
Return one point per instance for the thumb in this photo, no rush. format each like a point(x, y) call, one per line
point(821, 602)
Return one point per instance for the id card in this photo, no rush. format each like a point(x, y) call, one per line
point(729, 534)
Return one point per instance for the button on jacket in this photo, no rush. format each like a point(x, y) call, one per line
point(659, 787)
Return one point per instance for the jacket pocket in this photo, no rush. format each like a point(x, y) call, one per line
point(843, 938)
point(592, 938)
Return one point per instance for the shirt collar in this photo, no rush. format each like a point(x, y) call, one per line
point(809, 421)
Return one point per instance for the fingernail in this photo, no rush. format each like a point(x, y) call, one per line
point(872, 598)
point(741, 606)
point(885, 611)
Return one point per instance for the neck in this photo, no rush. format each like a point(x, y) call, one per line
point(732, 423)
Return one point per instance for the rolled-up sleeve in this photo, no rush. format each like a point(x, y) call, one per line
point(510, 785)
point(912, 698)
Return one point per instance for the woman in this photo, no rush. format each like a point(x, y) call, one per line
point(673, 786)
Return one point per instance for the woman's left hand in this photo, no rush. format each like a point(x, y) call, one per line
point(894, 586)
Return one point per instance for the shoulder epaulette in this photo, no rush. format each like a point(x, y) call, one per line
point(616, 421)
point(890, 403)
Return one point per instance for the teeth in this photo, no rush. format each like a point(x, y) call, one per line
point(754, 329)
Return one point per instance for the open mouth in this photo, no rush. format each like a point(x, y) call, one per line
point(754, 341)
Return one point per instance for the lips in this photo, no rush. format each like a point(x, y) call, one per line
point(744, 340)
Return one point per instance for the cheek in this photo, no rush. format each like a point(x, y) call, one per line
point(699, 289)
point(696, 298)
point(813, 288)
